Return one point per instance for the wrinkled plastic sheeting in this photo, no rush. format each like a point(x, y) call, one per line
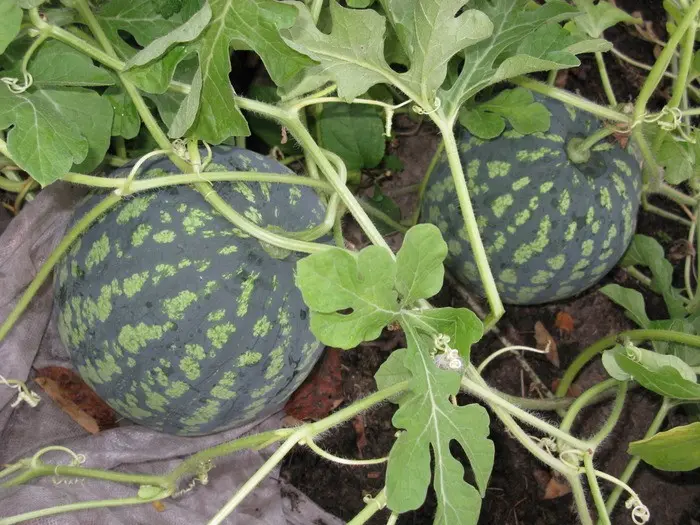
point(34, 343)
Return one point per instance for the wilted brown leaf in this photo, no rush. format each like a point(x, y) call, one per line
point(76, 398)
point(322, 391)
point(545, 341)
point(564, 322)
point(556, 488)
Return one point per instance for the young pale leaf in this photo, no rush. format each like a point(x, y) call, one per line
point(598, 17)
point(126, 122)
point(359, 4)
point(335, 280)
point(646, 251)
point(631, 300)
point(354, 133)
point(58, 64)
point(10, 21)
point(676, 450)
point(666, 375)
point(44, 140)
point(419, 264)
point(185, 33)
point(520, 29)
point(462, 326)
point(431, 422)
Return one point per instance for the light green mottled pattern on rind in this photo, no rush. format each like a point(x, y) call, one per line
point(202, 330)
point(535, 209)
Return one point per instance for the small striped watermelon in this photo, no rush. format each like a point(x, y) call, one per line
point(551, 228)
point(179, 320)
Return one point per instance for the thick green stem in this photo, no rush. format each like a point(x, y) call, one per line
point(676, 196)
point(635, 336)
point(469, 385)
point(45, 469)
point(191, 178)
point(627, 474)
point(45, 270)
point(259, 476)
point(572, 100)
point(11, 186)
point(664, 213)
point(373, 505)
point(662, 62)
point(605, 78)
point(380, 215)
point(78, 43)
point(477, 246)
point(305, 432)
point(603, 518)
point(580, 499)
point(614, 417)
point(296, 128)
point(73, 507)
point(424, 182)
point(583, 401)
point(579, 149)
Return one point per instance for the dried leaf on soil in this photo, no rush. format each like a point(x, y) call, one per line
point(556, 488)
point(545, 341)
point(322, 391)
point(361, 439)
point(564, 322)
point(76, 398)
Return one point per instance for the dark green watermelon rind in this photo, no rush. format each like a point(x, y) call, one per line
point(179, 320)
point(551, 228)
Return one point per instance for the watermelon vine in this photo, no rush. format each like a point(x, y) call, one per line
point(445, 62)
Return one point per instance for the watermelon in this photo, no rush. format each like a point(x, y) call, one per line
point(180, 321)
point(551, 227)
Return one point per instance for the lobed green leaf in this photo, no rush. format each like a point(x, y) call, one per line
point(10, 22)
point(677, 450)
point(431, 423)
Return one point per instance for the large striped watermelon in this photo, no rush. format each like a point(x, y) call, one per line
point(551, 227)
point(179, 320)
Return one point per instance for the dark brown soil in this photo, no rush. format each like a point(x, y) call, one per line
point(515, 496)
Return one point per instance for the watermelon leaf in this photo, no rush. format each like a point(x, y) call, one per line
point(380, 290)
point(630, 300)
point(525, 40)
point(487, 120)
point(596, 18)
point(646, 251)
point(126, 122)
point(352, 55)
point(677, 450)
point(185, 33)
point(431, 423)
point(10, 22)
point(83, 117)
point(667, 375)
point(354, 133)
